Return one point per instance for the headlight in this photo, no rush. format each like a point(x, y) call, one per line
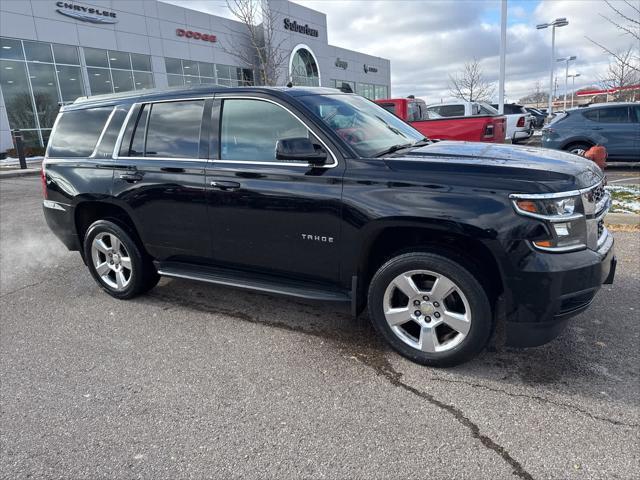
point(564, 216)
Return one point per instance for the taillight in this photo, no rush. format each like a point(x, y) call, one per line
point(489, 130)
point(520, 122)
point(43, 182)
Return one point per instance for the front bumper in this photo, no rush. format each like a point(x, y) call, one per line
point(552, 288)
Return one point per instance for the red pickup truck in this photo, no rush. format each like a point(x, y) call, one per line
point(475, 127)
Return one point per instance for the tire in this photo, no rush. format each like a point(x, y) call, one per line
point(116, 261)
point(578, 148)
point(429, 338)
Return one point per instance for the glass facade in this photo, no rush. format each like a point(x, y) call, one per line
point(304, 71)
point(367, 90)
point(190, 72)
point(37, 77)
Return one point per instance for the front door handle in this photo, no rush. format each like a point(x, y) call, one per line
point(224, 185)
point(131, 177)
point(597, 128)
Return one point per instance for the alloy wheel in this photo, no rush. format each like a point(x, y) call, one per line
point(427, 311)
point(111, 260)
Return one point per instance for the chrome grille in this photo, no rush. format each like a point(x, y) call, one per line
point(596, 201)
point(600, 228)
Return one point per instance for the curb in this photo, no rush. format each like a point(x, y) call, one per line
point(19, 173)
point(622, 219)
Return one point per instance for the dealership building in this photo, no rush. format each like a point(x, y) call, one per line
point(52, 52)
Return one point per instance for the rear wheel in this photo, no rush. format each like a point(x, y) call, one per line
point(430, 309)
point(116, 261)
point(579, 148)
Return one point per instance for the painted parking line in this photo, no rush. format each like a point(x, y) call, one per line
point(623, 180)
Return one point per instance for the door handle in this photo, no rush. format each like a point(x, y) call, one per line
point(596, 128)
point(131, 177)
point(225, 186)
point(172, 170)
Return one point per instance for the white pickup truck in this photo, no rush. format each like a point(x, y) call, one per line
point(519, 122)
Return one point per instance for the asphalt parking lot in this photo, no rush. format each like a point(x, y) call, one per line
point(201, 381)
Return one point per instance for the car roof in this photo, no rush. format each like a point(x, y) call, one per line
point(155, 94)
point(608, 104)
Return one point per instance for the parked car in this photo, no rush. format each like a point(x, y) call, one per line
point(483, 127)
point(461, 109)
point(519, 122)
point(538, 116)
point(616, 126)
point(312, 193)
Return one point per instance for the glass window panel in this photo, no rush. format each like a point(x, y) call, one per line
point(174, 129)
point(223, 71)
point(30, 138)
point(136, 148)
point(77, 132)
point(251, 128)
point(614, 115)
point(247, 75)
point(38, 52)
point(70, 80)
point(173, 65)
point(189, 67)
point(119, 60)
point(207, 80)
point(224, 82)
point(143, 80)
point(95, 57)
point(190, 80)
point(45, 92)
point(46, 133)
point(66, 54)
point(122, 80)
point(206, 69)
point(99, 81)
point(17, 98)
point(11, 49)
point(141, 62)
point(175, 80)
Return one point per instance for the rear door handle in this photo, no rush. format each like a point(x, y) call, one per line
point(131, 177)
point(225, 186)
point(596, 128)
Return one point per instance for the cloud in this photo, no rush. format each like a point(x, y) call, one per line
point(428, 40)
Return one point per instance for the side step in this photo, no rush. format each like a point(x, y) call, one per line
point(252, 281)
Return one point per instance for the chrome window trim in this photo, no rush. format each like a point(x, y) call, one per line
point(224, 96)
point(104, 129)
point(53, 131)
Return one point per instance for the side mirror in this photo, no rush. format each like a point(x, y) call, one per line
point(301, 149)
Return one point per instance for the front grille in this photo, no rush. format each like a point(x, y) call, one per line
point(597, 194)
point(576, 302)
point(596, 202)
point(600, 228)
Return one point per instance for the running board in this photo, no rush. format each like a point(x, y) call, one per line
point(251, 281)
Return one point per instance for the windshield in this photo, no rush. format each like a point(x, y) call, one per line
point(366, 126)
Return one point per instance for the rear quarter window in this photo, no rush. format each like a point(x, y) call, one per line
point(77, 132)
point(451, 110)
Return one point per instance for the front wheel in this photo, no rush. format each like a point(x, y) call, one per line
point(578, 148)
point(430, 309)
point(116, 262)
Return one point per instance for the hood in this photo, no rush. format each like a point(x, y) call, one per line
point(551, 168)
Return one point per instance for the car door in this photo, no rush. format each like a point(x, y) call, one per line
point(614, 124)
point(159, 176)
point(280, 217)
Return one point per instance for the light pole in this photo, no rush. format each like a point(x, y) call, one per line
point(558, 22)
point(573, 87)
point(566, 76)
point(503, 52)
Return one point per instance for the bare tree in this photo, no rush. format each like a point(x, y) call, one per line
point(538, 95)
point(622, 72)
point(264, 54)
point(627, 20)
point(470, 84)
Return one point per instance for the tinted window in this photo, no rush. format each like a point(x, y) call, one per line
point(614, 115)
point(136, 146)
point(77, 132)
point(251, 128)
point(413, 112)
point(591, 115)
point(450, 110)
point(174, 129)
point(389, 107)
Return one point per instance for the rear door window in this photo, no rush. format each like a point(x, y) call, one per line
point(614, 115)
point(77, 132)
point(451, 110)
point(167, 130)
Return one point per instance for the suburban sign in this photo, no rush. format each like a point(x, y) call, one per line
point(86, 14)
point(207, 37)
point(294, 27)
point(341, 64)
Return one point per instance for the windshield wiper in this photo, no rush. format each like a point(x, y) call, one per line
point(394, 148)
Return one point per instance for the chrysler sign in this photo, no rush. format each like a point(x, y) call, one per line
point(86, 14)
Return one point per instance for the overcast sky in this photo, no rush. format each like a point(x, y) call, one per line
point(428, 40)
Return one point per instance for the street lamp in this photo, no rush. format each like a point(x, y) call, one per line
point(558, 22)
point(566, 76)
point(573, 87)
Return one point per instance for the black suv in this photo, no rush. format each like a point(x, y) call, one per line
point(318, 194)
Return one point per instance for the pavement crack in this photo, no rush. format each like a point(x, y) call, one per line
point(383, 368)
point(24, 287)
point(540, 399)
